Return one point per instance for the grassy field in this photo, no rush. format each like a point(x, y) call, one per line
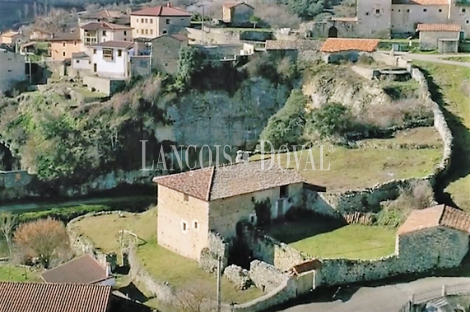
point(10, 273)
point(367, 166)
point(353, 241)
point(160, 262)
point(464, 59)
point(451, 89)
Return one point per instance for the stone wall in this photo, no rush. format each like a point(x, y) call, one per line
point(14, 184)
point(265, 276)
point(140, 65)
point(107, 86)
point(217, 247)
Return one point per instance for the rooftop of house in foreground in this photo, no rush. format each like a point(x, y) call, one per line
point(436, 216)
point(82, 270)
point(349, 44)
point(214, 183)
point(439, 27)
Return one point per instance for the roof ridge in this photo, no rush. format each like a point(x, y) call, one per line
point(211, 184)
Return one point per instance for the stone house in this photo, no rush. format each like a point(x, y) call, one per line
point(12, 70)
point(237, 13)
point(434, 237)
point(443, 37)
point(64, 45)
point(159, 20)
point(337, 49)
point(193, 204)
point(165, 52)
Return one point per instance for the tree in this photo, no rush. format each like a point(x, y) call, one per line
point(45, 239)
point(330, 119)
point(254, 20)
point(7, 224)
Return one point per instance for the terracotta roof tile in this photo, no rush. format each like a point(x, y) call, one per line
point(439, 27)
point(161, 11)
point(82, 270)
point(421, 2)
point(227, 181)
point(104, 25)
point(349, 44)
point(36, 297)
point(301, 45)
point(441, 215)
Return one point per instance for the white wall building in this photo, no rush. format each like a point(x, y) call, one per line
point(98, 32)
point(12, 69)
point(111, 59)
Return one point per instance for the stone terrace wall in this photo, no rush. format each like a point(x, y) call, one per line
point(367, 199)
point(265, 276)
point(217, 247)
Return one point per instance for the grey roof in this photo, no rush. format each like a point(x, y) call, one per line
point(80, 55)
point(115, 44)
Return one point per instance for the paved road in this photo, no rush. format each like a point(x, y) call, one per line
point(389, 298)
point(434, 58)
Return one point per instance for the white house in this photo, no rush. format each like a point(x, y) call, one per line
point(98, 32)
point(12, 69)
point(111, 59)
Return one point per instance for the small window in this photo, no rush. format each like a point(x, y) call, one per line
point(77, 61)
point(104, 32)
point(393, 10)
point(151, 21)
point(125, 39)
point(195, 225)
point(283, 191)
point(89, 62)
point(440, 10)
point(408, 11)
point(425, 10)
point(146, 31)
point(63, 44)
point(377, 11)
point(9, 70)
point(186, 197)
point(94, 51)
point(151, 31)
point(119, 52)
point(367, 13)
point(125, 33)
point(136, 31)
point(252, 219)
point(142, 20)
point(184, 226)
point(464, 10)
point(164, 31)
point(399, 10)
point(467, 22)
point(63, 53)
point(146, 21)
point(167, 21)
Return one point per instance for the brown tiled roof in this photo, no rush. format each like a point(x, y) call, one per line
point(82, 270)
point(421, 2)
point(115, 44)
point(349, 44)
point(439, 27)
point(440, 215)
point(301, 45)
point(230, 4)
point(306, 266)
point(102, 14)
point(161, 11)
point(179, 37)
point(226, 181)
point(71, 36)
point(104, 25)
point(36, 297)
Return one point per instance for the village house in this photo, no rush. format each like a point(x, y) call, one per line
point(336, 49)
point(443, 37)
point(40, 34)
point(55, 297)
point(109, 16)
point(237, 13)
point(63, 45)
point(11, 38)
point(12, 69)
point(81, 270)
point(111, 59)
point(194, 203)
point(165, 52)
point(443, 230)
point(159, 20)
point(98, 32)
point(81, 63)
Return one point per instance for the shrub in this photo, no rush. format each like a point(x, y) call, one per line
point(330, 119)
point(286, 126)
point(276, 15)
point(263, 212)
point(44, 239)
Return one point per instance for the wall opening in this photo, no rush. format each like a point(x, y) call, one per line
point(333, 32)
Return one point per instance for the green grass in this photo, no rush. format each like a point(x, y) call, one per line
point(353, 241)
point(464, 59)
point(163, 264)
point(453, 94)
point(401, 89)
point(363, 167)
point(11, 273)
point(89, 94)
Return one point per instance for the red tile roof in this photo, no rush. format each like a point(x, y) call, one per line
point(349, 44)
point(104, 25)
point(440, 215)
point(82, 270)
point(35, 297)
point(161, 11)
point(305, 267)
point(226, 181)
point(439, 27)
point(421, 2)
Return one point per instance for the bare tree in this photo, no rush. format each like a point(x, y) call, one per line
point(7, 224)
point(196, 298)
point(44, 239)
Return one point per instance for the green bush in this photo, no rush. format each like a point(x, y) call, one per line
point(64, 214)
point(286, 126)
point(331, 119)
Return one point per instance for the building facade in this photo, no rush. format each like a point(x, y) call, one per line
point(98, 32)
point(237, 13)
point(165, 52)
point(444, 37)
point(159, 20)
point(12, 69)
point(63, 46)
point(111, 59)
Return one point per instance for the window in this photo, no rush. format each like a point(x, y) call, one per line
point(467, 22)
point(184, 226)
point(463, 10)
point(195, 225)
point(125, 33)
point(63, 53)
point(425, 10)
point(408, 11)
point(146, 31)
point(367, 13)
point(377, 11)
point(164, 31)
point(151, 31)
point(142, 20)
point(108, 54)
point(94, 51)
point(186, 197)
point(283, 191)
point(440, 10)
point(167, 21)
point(119, 52)
point(399, 10)
point(104, 32)
point(63, 44)
point(9, 70)
point(77, 61)
point(151, 21)
point(75, 43)
point(136, 31)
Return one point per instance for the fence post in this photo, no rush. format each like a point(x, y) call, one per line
point(444, 291)
point(412, 299)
